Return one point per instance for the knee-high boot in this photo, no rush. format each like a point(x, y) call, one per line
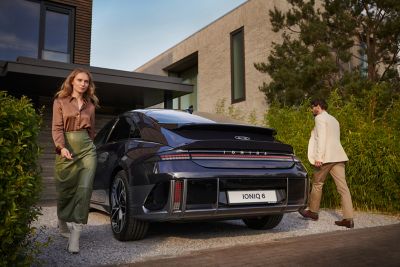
point(73, 243)
point(63, 228)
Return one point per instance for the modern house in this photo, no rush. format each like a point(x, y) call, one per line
point(41, 42)
point(219, 60)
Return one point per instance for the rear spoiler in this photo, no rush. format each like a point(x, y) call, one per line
point(275, 147)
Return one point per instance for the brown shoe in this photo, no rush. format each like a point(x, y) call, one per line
point(349, 223)
point(309, 214)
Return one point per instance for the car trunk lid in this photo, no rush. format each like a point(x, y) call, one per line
point(234, 146)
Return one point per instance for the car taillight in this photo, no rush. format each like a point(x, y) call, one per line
point(178, 189)
point(175, 156)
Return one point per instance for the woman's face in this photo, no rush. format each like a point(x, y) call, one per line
point(80, 83)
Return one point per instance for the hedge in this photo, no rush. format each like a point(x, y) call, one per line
point(371, 138)
point(20, 181)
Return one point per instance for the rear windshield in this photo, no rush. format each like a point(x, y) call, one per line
point(176, 117)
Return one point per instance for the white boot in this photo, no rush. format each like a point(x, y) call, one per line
point(63, 228)
point(73, 242)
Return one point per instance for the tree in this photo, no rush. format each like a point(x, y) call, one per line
point(326, 41)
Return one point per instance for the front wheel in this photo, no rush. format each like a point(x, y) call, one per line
point(124, 226)
point(263, 222)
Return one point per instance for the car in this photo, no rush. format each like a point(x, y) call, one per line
point(157, 165)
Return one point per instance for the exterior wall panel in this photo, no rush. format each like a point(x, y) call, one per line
point(214, 56)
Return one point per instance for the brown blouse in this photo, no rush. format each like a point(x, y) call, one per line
point(68, 118)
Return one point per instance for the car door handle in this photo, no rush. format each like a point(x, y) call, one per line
point(103, 157)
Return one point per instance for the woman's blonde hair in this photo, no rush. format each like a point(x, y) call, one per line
point(66, 87)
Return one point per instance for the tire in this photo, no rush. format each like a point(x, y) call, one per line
point(263, 222)
point(123, 225)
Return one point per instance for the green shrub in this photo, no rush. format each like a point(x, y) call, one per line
point(370, 134)
point(20, 181)
point(235, 112)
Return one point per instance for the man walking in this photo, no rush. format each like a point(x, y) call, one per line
point(327, 155)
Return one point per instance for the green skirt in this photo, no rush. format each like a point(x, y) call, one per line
point(74, 178)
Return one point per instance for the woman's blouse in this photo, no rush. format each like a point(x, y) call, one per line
point(67, 117)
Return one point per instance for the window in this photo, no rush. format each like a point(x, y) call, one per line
point(134, 131)
point(121, 131)
point(45, 32)
point(124, 129)
point(101, 137)
point(189, 76)
point(19, 37)
point(56, 35)
point(176, 117)
point(237, 66)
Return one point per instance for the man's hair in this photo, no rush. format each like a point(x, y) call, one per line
point(319, 102)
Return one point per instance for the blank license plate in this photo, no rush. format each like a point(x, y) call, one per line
point(259, 196)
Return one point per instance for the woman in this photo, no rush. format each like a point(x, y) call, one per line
point(73, 133)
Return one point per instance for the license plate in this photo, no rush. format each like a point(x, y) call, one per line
point(259, 196)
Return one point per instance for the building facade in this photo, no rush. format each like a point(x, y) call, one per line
point(41, 42)
point(219, 61)
point(50, 30)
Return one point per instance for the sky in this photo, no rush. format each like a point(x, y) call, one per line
point(128, 33)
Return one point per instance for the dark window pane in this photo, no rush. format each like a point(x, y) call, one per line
point(237, 47)
point(101, 137)
point(19, 29)
point(121, 131)
point(134, 131)
point(56, 36)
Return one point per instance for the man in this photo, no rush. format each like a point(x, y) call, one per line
point(327, 155)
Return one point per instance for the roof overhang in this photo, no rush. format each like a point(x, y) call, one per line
point(183, 64)
point(34, 77)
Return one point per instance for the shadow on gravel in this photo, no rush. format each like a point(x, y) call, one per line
point(215, 229)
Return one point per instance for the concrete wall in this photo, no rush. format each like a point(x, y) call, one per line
point(214, 64)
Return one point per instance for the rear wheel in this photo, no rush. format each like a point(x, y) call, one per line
point(124, 226)
point(263, 222)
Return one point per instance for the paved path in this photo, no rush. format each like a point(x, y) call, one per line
point(377, 246)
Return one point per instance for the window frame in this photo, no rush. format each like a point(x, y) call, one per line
point(232, 34)
point(120, 120)
point(110, 125)
point(58, 8)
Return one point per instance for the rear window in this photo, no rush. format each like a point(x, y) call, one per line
point(176, 117)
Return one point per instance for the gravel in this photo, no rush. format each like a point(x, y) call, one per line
point(99, 247)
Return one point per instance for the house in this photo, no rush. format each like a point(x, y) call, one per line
point(219, 61)
point(41, 42)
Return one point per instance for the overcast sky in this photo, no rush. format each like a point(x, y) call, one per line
point(128, 33)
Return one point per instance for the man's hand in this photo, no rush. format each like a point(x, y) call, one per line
point(65, 153)
point(318, 163)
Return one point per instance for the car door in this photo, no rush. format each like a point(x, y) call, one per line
point(99, 184)
point(109, 153)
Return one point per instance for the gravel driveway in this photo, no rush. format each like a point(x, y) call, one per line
point(98, 247)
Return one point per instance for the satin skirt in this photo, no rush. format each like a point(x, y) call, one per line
point(74, 178)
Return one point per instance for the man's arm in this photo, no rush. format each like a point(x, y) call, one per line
point(320, 131)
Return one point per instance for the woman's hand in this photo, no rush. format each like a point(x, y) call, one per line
point(65, 153)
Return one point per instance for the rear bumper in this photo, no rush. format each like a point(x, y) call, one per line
point(217, 213)
point(206, 198)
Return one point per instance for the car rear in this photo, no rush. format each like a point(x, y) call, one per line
point(224, 171)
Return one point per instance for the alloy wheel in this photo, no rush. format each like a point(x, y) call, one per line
point(118, 205)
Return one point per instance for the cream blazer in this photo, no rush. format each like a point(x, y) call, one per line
point(324, 144)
